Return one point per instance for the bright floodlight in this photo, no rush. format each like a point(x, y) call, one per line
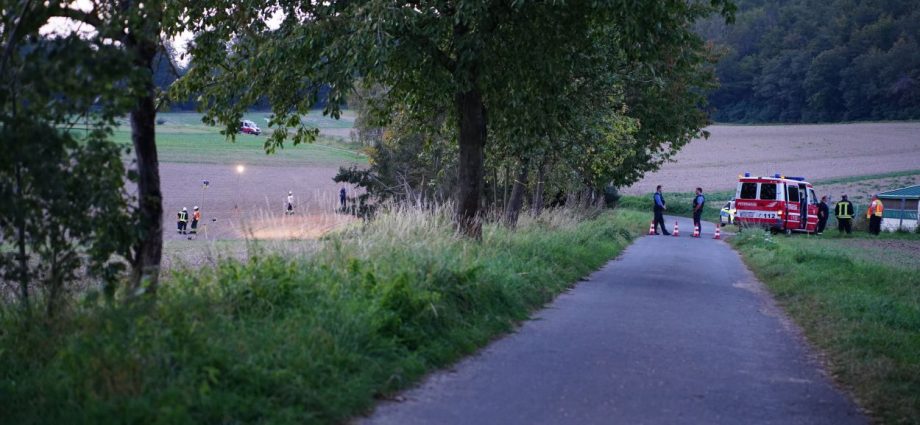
point(240, 168)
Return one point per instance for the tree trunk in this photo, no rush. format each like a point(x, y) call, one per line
point(149, 247)
point(538, 191)
point(513, 210)
point(495, 189)
point(505, 173)
point(21, 244)
point(471, 112)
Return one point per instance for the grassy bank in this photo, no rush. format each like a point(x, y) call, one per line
point(864, 313)
point(299, 340)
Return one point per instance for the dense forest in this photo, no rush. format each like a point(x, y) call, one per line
point(817, 61)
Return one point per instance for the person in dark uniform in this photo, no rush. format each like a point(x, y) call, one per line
point(823, 214)
point(698, 201)
point(182, 220)
point(659, 208)
point(342, 198)
point(844, 212)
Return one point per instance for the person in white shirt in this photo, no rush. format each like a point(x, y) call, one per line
point(289, 208)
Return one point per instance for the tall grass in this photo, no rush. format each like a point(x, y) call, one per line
point(313, 339)
point(864, 314)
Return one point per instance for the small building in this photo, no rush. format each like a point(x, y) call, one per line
point(901, 208)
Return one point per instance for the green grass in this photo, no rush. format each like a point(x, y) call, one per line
point(299, 340)
point(862, 312)
point(183, 138)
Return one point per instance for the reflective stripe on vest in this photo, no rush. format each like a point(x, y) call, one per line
point(842, 210)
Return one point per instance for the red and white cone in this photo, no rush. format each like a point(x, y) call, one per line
point(718, 234)
point(676, 231)
point(696, 231)
point(651, 228)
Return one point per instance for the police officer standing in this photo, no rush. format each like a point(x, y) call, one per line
point(659, 208)
point(844, 213)
point(698, 201)
point(823, 214)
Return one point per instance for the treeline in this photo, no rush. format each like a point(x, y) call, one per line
point(817, 61)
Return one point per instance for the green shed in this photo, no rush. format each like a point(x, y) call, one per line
point(901, 208)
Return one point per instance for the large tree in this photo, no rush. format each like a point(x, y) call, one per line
point(478, 61)
point(119, 41)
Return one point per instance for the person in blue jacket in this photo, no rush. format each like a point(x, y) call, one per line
point(698, 201)
point(659, 208)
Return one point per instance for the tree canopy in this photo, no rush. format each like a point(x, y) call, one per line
point(491, 68)
point(817, 61)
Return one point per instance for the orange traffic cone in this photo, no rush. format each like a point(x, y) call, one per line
point(676, 231)
point(651, 228)
point(718, 234)
point(696, 231)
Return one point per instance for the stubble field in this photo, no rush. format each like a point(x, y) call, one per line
point(816, 152)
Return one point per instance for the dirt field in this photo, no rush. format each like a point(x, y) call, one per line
point(813, 151)
point(251, 204)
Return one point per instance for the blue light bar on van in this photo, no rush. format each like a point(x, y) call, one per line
point(747, 174)
point(776, 175)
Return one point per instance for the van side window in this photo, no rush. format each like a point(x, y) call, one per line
point(793, 194)
point(767, 191)
point(812, 199)
point(748, 191)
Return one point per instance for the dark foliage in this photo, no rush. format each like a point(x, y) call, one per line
point(817, 61)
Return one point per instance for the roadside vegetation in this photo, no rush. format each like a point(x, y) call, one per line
point(312, 339)
point(858, 301)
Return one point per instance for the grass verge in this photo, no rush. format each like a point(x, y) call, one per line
point(864, 314)
point(304, 340)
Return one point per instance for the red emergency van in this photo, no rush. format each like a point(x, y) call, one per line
point(779, 203)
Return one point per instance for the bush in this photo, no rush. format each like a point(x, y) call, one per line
point(304, 340)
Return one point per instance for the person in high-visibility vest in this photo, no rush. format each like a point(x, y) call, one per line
point(182, 220)
point(196, 215)
point(844, 212)
point(874, 214)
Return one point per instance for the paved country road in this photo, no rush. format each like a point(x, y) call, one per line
point(674, 331)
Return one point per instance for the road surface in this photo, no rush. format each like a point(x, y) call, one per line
point(674, 331)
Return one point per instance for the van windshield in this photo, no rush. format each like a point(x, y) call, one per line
point(768, 191)
point(748, 191)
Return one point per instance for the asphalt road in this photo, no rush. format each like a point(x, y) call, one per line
point(674, 331)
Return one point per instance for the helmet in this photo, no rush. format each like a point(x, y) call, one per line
point(184, 209)
point(196, 207)
point(290, 192)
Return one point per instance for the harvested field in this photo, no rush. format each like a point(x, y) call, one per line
point(251, 204)
point(814, 151)
point(861, 191)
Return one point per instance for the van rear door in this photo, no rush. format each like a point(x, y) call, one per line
point(794, 216)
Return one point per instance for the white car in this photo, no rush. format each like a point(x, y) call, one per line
point(249, 127)
point(727, 215)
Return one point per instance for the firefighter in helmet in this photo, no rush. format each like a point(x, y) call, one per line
point(182, 220)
